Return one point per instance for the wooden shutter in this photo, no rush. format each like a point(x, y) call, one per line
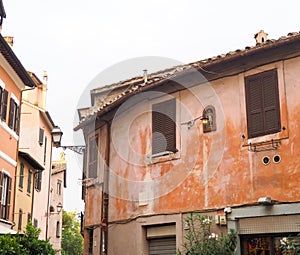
point(41, 136)
point(8, 197)
point(17, 119)
point(21, 178)
point(1, 189)
point(262, 103)
point(11, 114)
point(1, 93)
point(4, 104)
point(93, 157)
point(164, 126)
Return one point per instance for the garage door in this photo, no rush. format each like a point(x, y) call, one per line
point(162, 246)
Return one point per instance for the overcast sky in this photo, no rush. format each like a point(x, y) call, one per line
point(76, 41)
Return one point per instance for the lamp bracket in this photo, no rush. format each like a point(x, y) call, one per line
point(76, 148)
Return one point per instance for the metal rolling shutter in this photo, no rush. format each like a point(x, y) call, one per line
point(162, 246)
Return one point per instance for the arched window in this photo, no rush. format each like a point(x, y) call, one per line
point(210, 113)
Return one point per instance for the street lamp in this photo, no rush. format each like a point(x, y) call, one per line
point(56, 138)
point(59, 207)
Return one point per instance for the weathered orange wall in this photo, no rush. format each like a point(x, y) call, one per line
point(212, 170)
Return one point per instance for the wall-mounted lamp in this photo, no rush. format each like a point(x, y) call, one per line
point(191, 123)
point(58, 208)
point(56, 136)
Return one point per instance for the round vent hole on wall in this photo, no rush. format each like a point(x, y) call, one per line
point(266, 160)
point(276, 159)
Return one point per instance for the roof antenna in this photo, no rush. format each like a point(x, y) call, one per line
point(145, 76)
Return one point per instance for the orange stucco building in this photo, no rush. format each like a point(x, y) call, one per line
point(218, 136)
point(13, 79)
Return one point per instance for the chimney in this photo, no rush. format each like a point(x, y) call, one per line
point(145, 76)
point(9, 40)
point(261, 37)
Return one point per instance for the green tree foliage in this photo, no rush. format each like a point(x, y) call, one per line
point(72, 240)
point(199, 240)
point(28, 244)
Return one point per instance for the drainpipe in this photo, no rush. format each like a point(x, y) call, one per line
point(49, 187)
point(106, 189)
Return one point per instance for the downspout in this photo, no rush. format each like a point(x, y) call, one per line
point(106, 188)
point(49, 186)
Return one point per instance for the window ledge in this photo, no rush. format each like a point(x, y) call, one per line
point(162, 157)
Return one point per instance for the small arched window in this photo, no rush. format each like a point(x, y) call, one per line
point(210, 113)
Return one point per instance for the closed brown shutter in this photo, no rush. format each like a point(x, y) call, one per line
point(164, 127)
point(17, 119)
point(1, 189)
point(1, 92)
point(4, 104)
point(8, 197)
point(11, 114)
point(93, 157)
point(262, 103)
point(41, 136)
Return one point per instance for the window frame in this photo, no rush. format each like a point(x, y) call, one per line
point(29, 181)
point(38, 176)
point(5, 207)
point(4, 100)
point(21, 176)
point(93, 150)
point(13, 120)
point(164, 121)
point(255, 81)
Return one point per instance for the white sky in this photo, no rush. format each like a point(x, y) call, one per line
point(76, 40)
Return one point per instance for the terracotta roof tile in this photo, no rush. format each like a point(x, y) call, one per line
point(134, 84)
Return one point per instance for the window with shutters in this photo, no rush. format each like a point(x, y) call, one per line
point(5, 192)
point(29, 181)
point(13, 121)
point(262, 104)
point(4, 99)
point(45, 150)
point(93, 156)
point(38, 181)
point(20, 219)
point(41, 136)
point(164, 127)
point(21, 176)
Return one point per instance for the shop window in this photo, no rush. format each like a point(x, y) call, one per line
point(262, 104)
point(164, 127)
point(209, 123)
point(276, 244)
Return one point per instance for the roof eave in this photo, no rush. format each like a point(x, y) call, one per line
point(15, 63)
